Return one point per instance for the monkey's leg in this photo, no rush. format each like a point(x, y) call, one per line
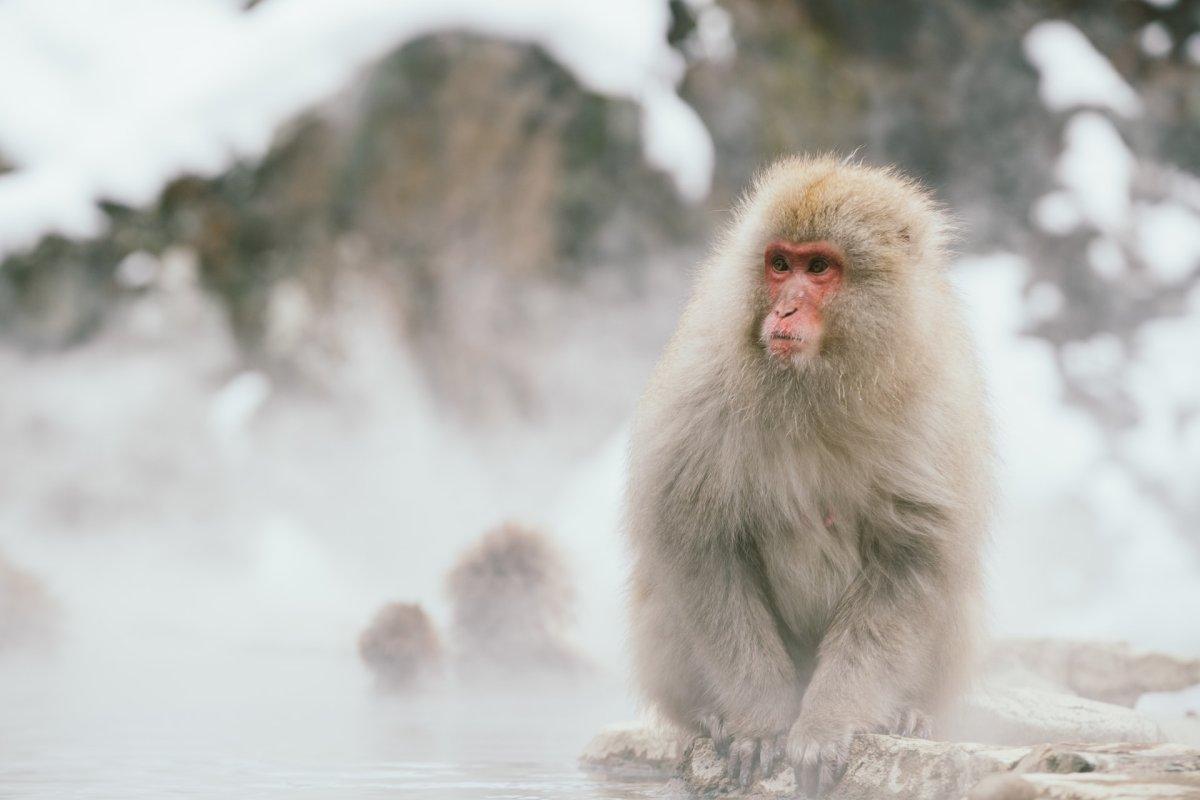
point(889, 649)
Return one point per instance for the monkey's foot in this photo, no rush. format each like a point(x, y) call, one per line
point(910, 722)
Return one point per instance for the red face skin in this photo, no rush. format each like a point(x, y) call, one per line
point(801, 279)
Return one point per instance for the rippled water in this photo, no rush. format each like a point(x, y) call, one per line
point(190, 722)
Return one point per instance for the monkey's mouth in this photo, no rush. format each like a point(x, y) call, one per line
point(788, 348)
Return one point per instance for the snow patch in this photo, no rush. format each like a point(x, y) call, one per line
point(1097, 169)
point(1056, 213)
point(1168, 238)
point(1074, 73)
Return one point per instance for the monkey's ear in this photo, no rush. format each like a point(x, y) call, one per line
point(907, 240)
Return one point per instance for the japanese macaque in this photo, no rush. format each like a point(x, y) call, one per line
point(401, 647)
point(810, 479)
point(512, 601)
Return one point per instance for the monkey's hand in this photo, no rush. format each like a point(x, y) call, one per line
point(747, 758)
point(820, 751)
point(819, 748)
point(911, 722)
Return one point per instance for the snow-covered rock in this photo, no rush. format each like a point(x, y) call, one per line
point(634, 747)
point(1016, 715)
point(1087, 786)
point(1113, 672)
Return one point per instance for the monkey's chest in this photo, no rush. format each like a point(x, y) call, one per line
point(807, 573)
point(806, 534)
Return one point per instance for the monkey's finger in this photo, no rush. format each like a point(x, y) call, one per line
point(806, 771)
point(746, 777)
point(801, 782)
point(827, 770)
point(835, 756)
point(715, 727)
point(732, 764)
point(924, 729)
point(918, 724)
point(768, 753)
point(741, 761)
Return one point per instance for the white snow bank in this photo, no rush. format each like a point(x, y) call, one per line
point(110, 100)
point(1073, 73)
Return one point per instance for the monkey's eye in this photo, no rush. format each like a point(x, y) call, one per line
point(780, 264)
point(818, 265)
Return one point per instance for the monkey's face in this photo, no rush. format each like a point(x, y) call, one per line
point(802, 279)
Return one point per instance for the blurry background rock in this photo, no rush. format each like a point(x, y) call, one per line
point(28, 614)
point(401, 647)
point(512, 598)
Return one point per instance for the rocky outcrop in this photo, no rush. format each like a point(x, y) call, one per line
point(636, 748)
point(887, 766)
point(919, 770)
point(1115, 752)
point(911, 769)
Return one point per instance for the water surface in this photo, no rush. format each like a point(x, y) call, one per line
point(191, 721)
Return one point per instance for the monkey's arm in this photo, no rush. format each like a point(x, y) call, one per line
point(896, 639)
point(708, 641)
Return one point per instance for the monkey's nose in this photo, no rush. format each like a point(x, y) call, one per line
point(785, 312)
